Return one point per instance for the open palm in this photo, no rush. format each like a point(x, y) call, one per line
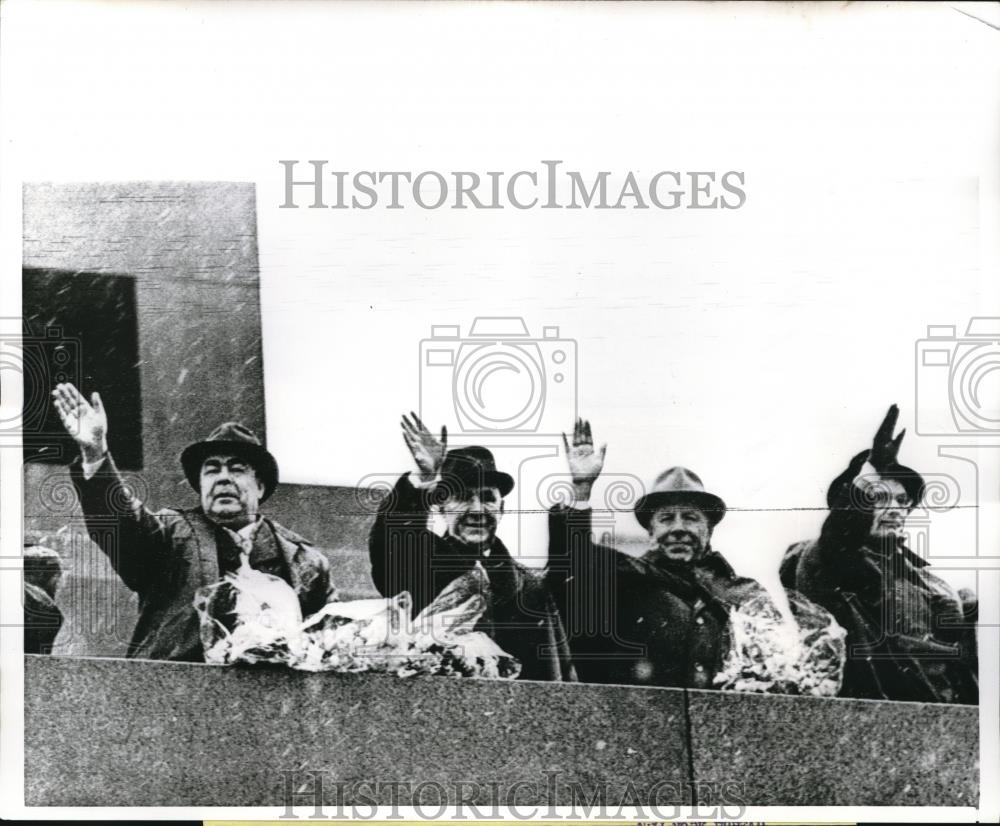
point(428, 452)
point(86, 422)
point(585, 463)
point(885, 446)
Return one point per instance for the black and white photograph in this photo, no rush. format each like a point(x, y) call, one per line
point(547, 411)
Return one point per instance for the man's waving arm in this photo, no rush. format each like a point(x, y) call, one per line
point(578, 568)
point(133, 539)
point(850, 520)
point(399, 544)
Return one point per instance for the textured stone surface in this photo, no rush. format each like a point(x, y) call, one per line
point(111, 732)
point(192, 250)
point(770, 750)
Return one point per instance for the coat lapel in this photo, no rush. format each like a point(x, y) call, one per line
point(290, 545)
point(703, 583)
point(206, 547)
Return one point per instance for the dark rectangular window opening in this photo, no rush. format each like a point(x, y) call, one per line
point(82, 328)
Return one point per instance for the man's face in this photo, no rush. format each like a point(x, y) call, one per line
point(890, 506)
point(472, 519)
point(230, 490)
point(680, 532)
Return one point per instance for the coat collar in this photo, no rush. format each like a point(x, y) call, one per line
point(711, 561)
point(504, 572)
point(289, 543)
point(706, 579)
point(498, 552)
point(903, 551)
point(280, 531)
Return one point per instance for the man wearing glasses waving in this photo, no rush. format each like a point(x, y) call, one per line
point(909, 636)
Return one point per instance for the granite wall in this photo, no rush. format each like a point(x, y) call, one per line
point(105, 732)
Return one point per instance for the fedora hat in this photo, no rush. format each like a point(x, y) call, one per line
point(678, 484)
point(912, 482)
point(471, 467)
point(235, 439)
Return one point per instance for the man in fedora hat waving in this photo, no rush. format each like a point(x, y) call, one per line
point(909, 636)
point(165, 557)
point(465, 487)
point(659, 619)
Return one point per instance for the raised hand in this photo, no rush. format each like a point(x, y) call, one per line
point(85, 421)
point(885, 448)
point(585, 463)
point(428, 452)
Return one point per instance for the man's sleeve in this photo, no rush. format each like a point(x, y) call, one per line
point(135, 540)
point(844, 531)
point(400, 546)
point(819, 569)
point(580, 573)
point(569, 538)
point(322, 590)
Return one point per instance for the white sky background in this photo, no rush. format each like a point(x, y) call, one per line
point(759, 346)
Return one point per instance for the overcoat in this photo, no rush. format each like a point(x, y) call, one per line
point(521, 615)
point(42, 620)
point(908, 637)
point(638, 621)
point(166, 556)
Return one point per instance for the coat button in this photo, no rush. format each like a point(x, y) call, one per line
point(699, 620)
point(699, 667)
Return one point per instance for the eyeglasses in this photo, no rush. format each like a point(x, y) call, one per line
point(883, 499)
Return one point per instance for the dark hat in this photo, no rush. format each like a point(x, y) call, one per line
point(237, 440)
point(839, 491)
point(41, 558)
point(471, 467)
point(42, 567)
point(678, 484)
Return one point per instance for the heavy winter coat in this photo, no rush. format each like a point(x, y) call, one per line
point(908, 637)
point(165, 557)
point(521, 615)
point(637, 621)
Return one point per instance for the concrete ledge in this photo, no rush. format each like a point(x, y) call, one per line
point(104, 732)
point(804, 751)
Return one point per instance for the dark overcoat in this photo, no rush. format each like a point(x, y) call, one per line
point(166, 556)
point(907, 635)
point(521, 615)
point(42, 620)
point(636, 621)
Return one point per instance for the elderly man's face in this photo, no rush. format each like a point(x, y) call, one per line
point(891, 504)
point(230, 490)
point(680, 532)
point(472, 518)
